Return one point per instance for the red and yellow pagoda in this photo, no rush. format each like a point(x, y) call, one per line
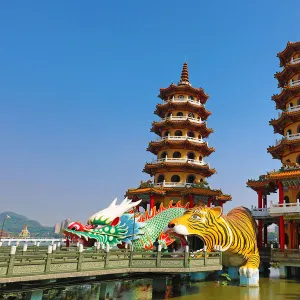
point(287, 179)
point(180, 169)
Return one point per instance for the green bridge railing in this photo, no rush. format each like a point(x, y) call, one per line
point(40, 261)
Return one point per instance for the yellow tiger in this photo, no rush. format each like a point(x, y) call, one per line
point(236, 233)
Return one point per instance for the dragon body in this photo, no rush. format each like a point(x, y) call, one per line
point(118, 225)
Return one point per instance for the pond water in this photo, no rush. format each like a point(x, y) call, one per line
point(142, 289)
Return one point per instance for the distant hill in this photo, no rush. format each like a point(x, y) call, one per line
point(16, 223)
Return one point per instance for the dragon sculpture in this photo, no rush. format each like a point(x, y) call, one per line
point(235, 233)
point(118, 225)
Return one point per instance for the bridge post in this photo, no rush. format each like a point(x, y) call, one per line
point(106, 258)
point(12, 258)
point(130, 258)
point(34, 295)
point(54, 247)
point(80, 257)
point(186, 257)
point(158, 256)
point(0, 243)
point(8, 243)
point(49, 258)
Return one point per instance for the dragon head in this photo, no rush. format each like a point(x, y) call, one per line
point(111, 225)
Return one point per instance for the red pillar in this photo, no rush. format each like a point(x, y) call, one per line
point(191, 199)
point(281, 221)
point(292, 235)
point(209, 202)
point(260, 225)
point(151, 201)
point(221, 204)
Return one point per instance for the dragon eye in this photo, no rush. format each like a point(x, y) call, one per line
point(195, 217)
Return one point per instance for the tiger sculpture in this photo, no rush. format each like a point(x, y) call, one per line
point(236, 233)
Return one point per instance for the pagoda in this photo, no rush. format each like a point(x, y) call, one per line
point(286, 180)
point(24, 233)
point(180, 168)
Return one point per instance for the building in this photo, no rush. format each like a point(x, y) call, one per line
point(24, 232)
point(180, 169)
point(64, 223)
point(286, 180)
point(57, 228)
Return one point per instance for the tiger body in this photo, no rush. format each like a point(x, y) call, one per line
point(235, 233)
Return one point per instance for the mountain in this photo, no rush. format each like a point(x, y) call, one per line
point(16, 223)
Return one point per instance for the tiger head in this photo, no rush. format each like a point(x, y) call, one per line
point(204, 222)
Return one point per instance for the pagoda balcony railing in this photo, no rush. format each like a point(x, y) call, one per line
point(179, 160)
point(180, 138)
point(276, 209)
point(172, 184)
point(294, 136)
point(284, 208)
point(293, 108)
point(181, 100)
point(260, 213)
point(180, 118)
point(295, 82)
point(295, 60)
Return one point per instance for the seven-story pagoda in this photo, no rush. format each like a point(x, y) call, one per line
point(286, 180)
point(180, 168)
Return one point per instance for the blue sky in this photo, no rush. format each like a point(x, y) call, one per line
point(79, 84)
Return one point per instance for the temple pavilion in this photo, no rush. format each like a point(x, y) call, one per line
point(286, 180)
point(180, 169)
point(24, 233)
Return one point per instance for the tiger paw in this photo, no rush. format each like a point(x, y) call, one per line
point(248, 272)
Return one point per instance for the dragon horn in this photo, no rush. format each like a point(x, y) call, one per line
point(133, 204)
point(113, 204)
point(125, 202)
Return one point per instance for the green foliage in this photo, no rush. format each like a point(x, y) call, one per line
point(15, 224)
point(227, 277)
point(145, 184)
point(274, 264)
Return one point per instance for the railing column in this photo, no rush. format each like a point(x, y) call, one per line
point(158, 256)
point(80, 257)
point(292, 235)
point(49, 259)
point(12, 257)
point(186, 256)
point(106, 257)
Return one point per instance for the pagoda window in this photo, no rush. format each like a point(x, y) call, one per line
point(178, 133)
point(191, 155)
point(286, 199)
point(191, 134)
point(199, 137)
point(168, 115)
point(298, 159)
point(298, 197)
point(175, 178)
point(200, 158)
point(291, 104)
point(176, 154)
point(166, 133)
point(298, 101)
point(289, 132)
point(160, 178)
point(164, 154)
point(181, 97)
point(171, 97)
point(191, 179)
point(179, 114)
point(298, 129)
point(190, 98)
point(191, 115)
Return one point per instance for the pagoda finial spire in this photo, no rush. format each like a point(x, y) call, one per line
point(184, 80)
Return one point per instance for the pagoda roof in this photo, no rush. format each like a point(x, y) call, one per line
point(277, 150)
point(193, 189)
point(286, 118)
point(282, 98)
point(157, 127)
point(286, 54)
point(153, 168)
point(183, 89)
point(268, 182)
point(184, 86)
point(155, 147)
point(163, 108)
point(284, 76)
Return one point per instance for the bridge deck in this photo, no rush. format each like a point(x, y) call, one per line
point(40, 265)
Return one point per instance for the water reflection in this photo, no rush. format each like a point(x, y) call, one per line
point(164, 288)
